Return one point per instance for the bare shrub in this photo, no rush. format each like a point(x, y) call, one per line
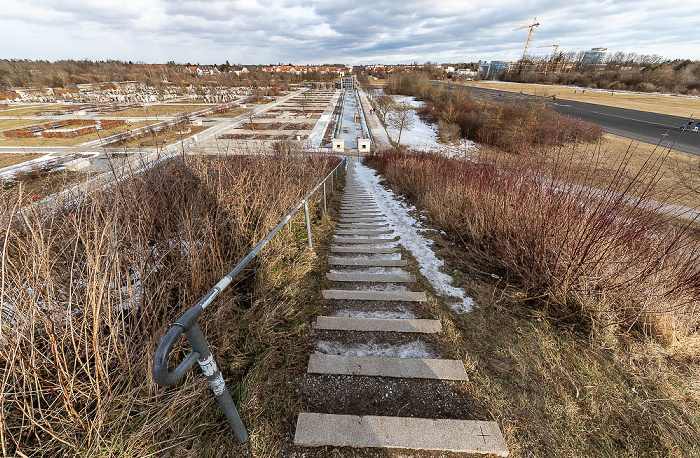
point(605, 258)
point(448, 132)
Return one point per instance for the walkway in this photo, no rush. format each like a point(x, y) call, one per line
point(381, 138)
point(376, 378)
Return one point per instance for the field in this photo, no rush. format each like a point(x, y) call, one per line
point(73, 141)
point(33, 110)
point(14, 123)
point(9, 159)
point(656, 103)
point(158, 139)
point(156, 111)
point(231, 113)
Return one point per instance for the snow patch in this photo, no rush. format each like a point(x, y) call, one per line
point(406, 227)
point(415, 349)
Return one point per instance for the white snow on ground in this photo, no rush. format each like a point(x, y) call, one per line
point(415, 349)
point(406, 227)
point(372, 270)
point(424, 137)
point(9, 172)
point(399, 313)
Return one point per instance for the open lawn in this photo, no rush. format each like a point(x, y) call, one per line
point(15, 123)
point(231, 113)
point(157, 139)
point(156, 110)
point(654, 103)
point(34, 110)
point(9, 159)
point(74, 141)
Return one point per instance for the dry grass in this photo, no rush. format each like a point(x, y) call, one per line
point(92, 285)
point(155, 111)
point(8, 159)
point(589, 259)
point(14, 123)
point(158, 139)
point(231, 113)
point(671, 185)
point(33, 110)
point(555, 385)
point(655, 103)
point(72, 141)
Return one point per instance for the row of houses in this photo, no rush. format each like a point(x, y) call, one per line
point(297, 70)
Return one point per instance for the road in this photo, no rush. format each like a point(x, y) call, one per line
point(642, 126)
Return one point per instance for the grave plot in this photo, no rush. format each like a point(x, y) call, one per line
point(294, 119)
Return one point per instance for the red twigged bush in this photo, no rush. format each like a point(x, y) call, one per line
point(600, 258)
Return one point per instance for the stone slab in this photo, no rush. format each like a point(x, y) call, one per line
point(363, 231)
point(465, 436)
point(361, 241)
point(372, 278)
point(341, 323)
point(362, 249)
point(367, 262)
point(363, 226)
point(354, 295)
point(374, 366)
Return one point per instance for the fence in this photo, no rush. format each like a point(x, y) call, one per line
point(188, 325)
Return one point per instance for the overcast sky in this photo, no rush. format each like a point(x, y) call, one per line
point(353, 32)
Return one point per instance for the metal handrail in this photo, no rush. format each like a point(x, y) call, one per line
point(188, 325)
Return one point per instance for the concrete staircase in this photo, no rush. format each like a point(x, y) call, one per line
point(373, 341)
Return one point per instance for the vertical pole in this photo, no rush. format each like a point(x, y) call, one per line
point(332, 185)
point(216, 381)
point(325, 210)
point(308, 225)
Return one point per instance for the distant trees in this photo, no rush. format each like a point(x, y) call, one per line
point(621, 71)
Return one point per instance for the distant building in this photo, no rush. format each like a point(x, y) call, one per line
point(200, 70)
point(491, 70)
point(596, 56)
point(466, 72)
point(348, 82)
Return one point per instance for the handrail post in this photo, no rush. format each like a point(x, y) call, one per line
point(332, 175)
point(325, 209)
point(216, 381)
point(308, 225)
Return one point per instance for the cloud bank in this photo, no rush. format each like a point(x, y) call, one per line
point(273, 31)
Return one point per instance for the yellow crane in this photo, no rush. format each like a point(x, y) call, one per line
point(554, 54)
point(529, 37)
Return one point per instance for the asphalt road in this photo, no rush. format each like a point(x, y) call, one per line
point(642, 126)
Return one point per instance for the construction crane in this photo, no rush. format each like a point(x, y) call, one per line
point(529, 37)
point(554, 54)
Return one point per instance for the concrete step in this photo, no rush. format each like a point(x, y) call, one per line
point(377, 366)
point(367, 262)
point(465, 436)
point(363, 226)
point(363, 231)
point(362, 249)
point(341, 323)
point(353, 295)
point(362, 220)
point(361, 241)
point(372, 278)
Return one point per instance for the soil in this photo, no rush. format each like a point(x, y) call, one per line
point(385, 396)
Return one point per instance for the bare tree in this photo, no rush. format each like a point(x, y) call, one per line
point(400, 117)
